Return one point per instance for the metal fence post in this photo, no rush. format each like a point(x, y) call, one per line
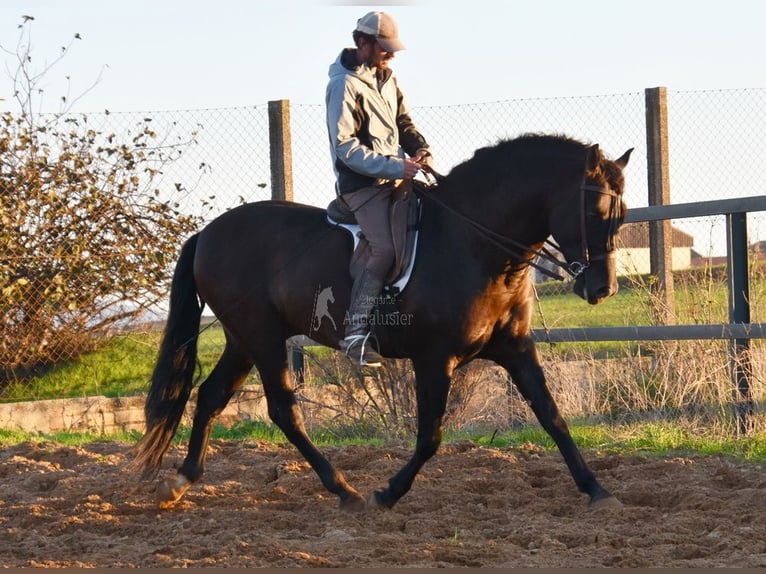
point(280, 150)
point(658, 177)
point(738, 280)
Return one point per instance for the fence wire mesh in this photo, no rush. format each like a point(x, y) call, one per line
point(208, 161)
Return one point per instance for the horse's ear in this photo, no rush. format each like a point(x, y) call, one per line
point(623, 160)
point(594, 158)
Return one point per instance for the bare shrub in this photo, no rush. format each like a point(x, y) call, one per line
point(382, 402)
point(683, 381)
point(688, 382)
point(87, 239)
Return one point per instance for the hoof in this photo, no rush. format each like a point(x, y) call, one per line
point(376, 502)
point(170, 491)
point(354, 503)
point(607, 503)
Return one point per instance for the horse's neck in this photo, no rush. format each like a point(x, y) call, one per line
point(517, 215)
point(455, 239)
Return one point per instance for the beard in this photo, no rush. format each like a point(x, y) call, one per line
point(378, 61)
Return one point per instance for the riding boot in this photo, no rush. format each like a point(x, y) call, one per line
point(358, 344)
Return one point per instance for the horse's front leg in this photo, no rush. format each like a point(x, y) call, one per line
point(519, 357)
point(432, 380)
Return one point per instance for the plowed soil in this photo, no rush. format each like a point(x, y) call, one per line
point(261, 505)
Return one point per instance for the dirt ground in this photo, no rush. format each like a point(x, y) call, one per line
point(261, 505)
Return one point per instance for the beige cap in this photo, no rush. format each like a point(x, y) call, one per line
point(383, 27)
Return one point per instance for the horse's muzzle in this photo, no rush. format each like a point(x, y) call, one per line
point(594, 292)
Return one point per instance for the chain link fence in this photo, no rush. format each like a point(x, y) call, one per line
point(717, 149)
point(220, 158)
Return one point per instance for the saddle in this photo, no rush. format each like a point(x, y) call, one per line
point(404, 219)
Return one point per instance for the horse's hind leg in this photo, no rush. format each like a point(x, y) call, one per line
point(213, 396)
point(284, 411)
point(519, 358)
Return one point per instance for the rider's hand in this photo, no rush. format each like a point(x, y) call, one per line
point(425, 159)
point(411, 168)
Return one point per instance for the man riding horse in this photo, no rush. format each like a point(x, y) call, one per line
point(370, 131)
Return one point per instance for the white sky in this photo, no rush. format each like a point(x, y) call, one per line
point(181, 54)
point(156, 55)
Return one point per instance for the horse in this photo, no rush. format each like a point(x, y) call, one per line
point(259, 266)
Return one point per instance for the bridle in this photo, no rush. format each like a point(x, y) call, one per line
point(576, 268)
point(518, 249)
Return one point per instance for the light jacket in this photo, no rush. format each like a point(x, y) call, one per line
point(368, 123)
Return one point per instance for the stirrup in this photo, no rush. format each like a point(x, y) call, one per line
point(373, 358)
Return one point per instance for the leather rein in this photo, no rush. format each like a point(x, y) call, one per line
point(518, 249)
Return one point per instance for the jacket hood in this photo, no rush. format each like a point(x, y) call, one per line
point(346, 65)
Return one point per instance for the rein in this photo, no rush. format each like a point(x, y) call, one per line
point(518, 249)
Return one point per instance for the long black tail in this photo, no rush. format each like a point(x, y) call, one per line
point(173, 376)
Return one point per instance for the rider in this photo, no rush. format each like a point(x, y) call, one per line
point(370, 130)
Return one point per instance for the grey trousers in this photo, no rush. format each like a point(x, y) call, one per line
point(371, 208)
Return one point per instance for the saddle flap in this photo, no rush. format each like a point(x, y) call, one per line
point(404, 220)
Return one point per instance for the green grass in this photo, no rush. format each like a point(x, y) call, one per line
point(568, 310)
point(645, 439)
point(696, 302)
point(652, 439)
point(121, 368)
point(10, 437)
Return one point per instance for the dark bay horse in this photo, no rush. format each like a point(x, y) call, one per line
point(260, 267)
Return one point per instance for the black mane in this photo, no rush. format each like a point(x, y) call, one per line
point(526, 153)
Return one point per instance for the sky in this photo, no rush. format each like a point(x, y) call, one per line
point(150, 55)
point(163, 55)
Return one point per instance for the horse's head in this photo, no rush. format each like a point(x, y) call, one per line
point(586, 228)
